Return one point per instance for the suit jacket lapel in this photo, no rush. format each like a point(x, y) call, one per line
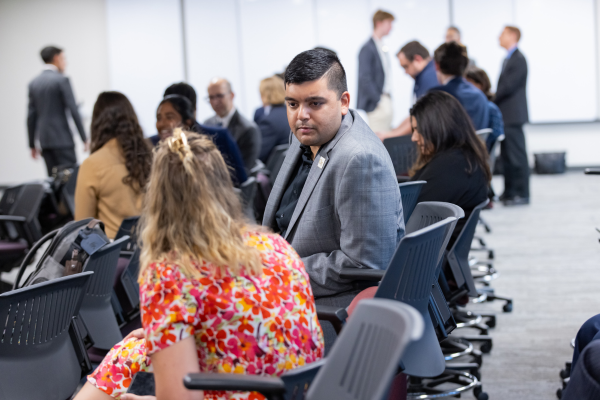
point(316, 171)
point(284, 176)
point(233, 126)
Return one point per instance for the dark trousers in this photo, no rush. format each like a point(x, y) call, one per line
point(58, 157)
point(515, 162)
point(342, 300)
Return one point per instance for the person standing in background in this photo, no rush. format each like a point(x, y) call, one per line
point(271, 118)
point(245, 132)
point(50, 95)
point(453, 35)
point(511, 98)
point(374, 75)
point(416, 62)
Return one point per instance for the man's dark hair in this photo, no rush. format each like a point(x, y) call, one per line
point(412, 49)
point(49, 52)
point(311, 65)
point(183, 89)
point(452, 58)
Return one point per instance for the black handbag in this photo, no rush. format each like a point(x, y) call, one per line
point(550, 163)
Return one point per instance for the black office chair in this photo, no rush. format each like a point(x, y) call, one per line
point(403, 153)
point(68, 190)
point(41, 353)
point(409, 193)
point(275, 161)
point(360, 366)
point(248, 192)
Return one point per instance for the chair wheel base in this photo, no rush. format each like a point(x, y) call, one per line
point(508, 307)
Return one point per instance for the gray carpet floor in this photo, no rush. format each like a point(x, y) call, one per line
point(548, 256)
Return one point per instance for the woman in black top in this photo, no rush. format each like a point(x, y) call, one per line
point(452, 159)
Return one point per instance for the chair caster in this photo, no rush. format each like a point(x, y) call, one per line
point(491, 254)
point(564, 374)
point(479, 393)
point(491, 322)
point(559, 393)
point(508, 307)
point(486, 347)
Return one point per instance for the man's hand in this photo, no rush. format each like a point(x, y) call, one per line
point(128, 396)
point(86, 146)
point(138, 334)
point(35, 153)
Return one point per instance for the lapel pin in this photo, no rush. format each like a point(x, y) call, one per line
point(321, 162)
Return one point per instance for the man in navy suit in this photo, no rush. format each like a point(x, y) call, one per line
point(374, 75)
point(511, 98)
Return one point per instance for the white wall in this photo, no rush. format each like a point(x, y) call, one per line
point(26, 26)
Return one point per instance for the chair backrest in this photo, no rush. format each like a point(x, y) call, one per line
point(484, 134)
point(458, 255)
point(24, 201)
point(38, 359)
point(494, 151)
point(275, 160)
point(129, 279)
point(403, 153)
point(68, 190)
point(367, 352)
point(128, 228)
point(248, 190)
point(96, 311)
point(409, 192)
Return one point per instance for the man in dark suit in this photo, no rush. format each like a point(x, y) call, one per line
point(50, 95)
point(374, 75)
point(244, 132)
point(511, 98)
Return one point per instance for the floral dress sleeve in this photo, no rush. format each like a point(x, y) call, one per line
point(169, 309)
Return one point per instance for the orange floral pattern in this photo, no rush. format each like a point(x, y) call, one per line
point(259, 325)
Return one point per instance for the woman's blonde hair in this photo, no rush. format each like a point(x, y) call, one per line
point(272, 90)
point(191, 212)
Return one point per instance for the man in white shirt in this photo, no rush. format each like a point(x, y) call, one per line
point(374, 75)
point(244, 132)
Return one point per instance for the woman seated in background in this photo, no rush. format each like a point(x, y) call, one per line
point(478, 78)
point(112, 180)
point(216, 294)
point(177, 111)
point(272, 117)
point(451, 158)
point(451, 61)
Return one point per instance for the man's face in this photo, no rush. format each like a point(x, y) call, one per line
point(314, 111)
point(220, 98)
point(60, 62)
point(507, 39)
point(385, 27)
point(452, 36)
point(412, 68)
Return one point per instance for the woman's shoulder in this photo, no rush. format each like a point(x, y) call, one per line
point(266, 241)
point(106, 156)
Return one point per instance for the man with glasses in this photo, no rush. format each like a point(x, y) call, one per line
point(244, 132)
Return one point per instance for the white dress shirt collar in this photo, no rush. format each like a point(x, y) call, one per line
point(226, 119)
point(50, 67)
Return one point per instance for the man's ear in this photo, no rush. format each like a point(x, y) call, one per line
point(345, 99)
point(417, 58)
point(437, 67)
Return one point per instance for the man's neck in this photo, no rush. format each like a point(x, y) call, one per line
point(511, 46)
point(446, 78)
point(377, 35)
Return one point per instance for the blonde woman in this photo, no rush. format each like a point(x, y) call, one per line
point(271, 118)
point(216, 294)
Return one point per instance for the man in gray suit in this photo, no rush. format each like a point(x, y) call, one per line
point(50, 96)
point(245, 132)
point(336, 198)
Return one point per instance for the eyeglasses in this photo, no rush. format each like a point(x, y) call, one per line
point(219, 97)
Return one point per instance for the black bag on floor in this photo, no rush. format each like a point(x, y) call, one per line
point(550, 163)
point(70, 248)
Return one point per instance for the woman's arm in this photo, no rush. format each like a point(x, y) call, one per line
point(86, 196)
point(171, 365)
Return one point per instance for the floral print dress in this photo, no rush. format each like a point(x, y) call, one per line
point(259, 325)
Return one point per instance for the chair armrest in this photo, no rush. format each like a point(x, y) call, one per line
point(403, 178)
point(362, 274)
point(12, 218)
point(335, 315)
point(266, 385)
point(592, 171)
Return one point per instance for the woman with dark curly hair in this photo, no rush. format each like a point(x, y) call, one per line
point(112, 180)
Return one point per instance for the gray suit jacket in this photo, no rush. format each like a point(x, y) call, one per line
point(247, 136)
point(50, 95)
point(349, 213)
